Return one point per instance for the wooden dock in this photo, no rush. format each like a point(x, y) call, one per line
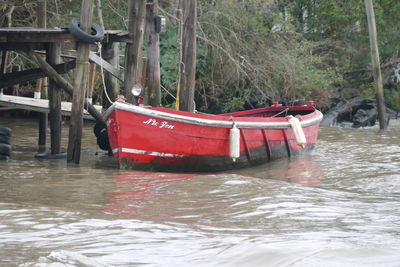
point(39, 105)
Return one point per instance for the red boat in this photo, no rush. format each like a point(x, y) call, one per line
point(161, 139)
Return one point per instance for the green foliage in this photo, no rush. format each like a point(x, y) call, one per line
point(253, 52)
point(392, 97)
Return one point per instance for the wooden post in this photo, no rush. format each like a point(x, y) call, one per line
point(153, 55)
point(110, 52)
point(80, 82)
point(41, 14)
point(3, 66)
point(188, 65)
point(54, 57)
point(133, 51)
point(90, 85)
point(376, 64)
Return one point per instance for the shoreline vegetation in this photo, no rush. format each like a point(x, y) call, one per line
point(249, 53)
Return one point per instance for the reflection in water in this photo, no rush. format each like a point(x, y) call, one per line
point(338, 206)
point(137, 193)
point(304, 170)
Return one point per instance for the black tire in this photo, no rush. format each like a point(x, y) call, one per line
point(82, 36)
point(3, 157)
point(5, 131)
point(5, 149)
point(98, 128)
point(5, 139)
point(103, 142)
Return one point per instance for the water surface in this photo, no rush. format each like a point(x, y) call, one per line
point(337, 206)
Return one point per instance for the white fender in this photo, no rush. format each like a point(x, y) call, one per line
point(234, 143)
point(297, 131)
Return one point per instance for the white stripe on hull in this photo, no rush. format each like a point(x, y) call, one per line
point(144, 152)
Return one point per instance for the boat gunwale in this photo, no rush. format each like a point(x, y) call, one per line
point(228, 123)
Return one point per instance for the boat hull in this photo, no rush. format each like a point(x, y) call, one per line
point(162, 140)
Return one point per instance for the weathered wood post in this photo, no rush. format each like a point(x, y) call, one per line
point(80, 82)
point(188, 65)
point(43, 122)
point(153, 55)
point(54, 57)
point(90, 85)
point(3, 66)
point(111, 55)
point(376, 70)
point(133, 52)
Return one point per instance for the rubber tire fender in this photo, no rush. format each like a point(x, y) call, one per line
point(3, 157)
point(5, 139)
point(102, 141)
point(5, 131)
point(98, 128)
point(5, 149)
point(84, 37)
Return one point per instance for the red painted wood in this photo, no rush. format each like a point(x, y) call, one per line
point(143, 142)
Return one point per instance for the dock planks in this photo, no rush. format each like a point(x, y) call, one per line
point(39, 105)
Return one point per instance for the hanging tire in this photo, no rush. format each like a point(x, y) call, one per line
point(84, 37)
point(5, 131)
point(3, 157)
point(98, 128)
point(4, 139)
point(102, 141)
point(5, 149)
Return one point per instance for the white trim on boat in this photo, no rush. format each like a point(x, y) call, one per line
point(208, 122)
point(150, 153)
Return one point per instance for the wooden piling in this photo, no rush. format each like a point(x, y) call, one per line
point(80, 83)
point(376, 70)
point(91, 80)
point(153, 55)
point(133, 51)
point(54, 57)
point(111, 55)
point(43, 116)
point(188, 64)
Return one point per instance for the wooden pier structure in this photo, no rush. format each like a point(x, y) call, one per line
point(45, 47)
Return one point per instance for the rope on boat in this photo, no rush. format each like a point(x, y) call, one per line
point(102, 73)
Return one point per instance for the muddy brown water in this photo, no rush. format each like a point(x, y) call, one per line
point(337, 206)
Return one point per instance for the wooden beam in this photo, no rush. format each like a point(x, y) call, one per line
point(106, 66)
point(32, 35)
point(80, 83)
point(24, 76)
point(66, 86)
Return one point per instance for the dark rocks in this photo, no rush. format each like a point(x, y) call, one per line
point(356, 113)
